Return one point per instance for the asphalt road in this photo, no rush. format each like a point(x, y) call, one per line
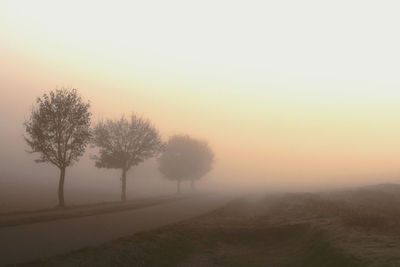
point(34, 241)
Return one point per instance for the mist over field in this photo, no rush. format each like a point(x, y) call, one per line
point(313, 108)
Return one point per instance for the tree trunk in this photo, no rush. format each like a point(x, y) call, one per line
point(192, 185)
point(61, 202)
point(123, 179)
point(178, 186)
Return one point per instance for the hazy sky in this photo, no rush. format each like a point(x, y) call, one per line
point(286, 92)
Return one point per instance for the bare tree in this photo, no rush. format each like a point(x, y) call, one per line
point(123, 144)
point(59, 129)
point(185, 159)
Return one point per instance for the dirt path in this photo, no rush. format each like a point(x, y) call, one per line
point(33, 241)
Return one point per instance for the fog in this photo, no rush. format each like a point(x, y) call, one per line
point(288, 100)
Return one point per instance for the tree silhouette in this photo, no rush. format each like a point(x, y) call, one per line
point(59, 129)
point(185, 159)
point(123, 144)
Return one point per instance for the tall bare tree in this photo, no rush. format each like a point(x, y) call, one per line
point(123, 144)
point(59, 129)
point(185, 159)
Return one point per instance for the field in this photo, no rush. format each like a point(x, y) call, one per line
point(348, 228)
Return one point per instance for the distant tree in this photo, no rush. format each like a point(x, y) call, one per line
point(59, 129)
point(123, 144)
point(185, 159)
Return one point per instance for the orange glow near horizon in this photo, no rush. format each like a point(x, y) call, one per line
point(285, 93)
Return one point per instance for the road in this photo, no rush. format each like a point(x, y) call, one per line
point(29, 217)
point(34, 241)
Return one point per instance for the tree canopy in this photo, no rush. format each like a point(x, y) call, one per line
point(125, 143)
point(59, 129)
point(185, 158)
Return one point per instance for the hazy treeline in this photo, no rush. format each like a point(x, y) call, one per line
point(59, 129)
